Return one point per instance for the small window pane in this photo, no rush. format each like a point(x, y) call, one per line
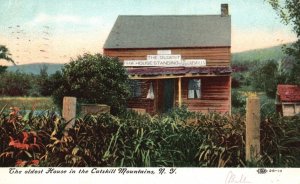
point(289, 110)
point(135, 87)
point(194, 90)
point(297, 109)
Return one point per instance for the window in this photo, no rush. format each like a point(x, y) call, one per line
point(136, 88)
point(150, 94)
point(194, 90)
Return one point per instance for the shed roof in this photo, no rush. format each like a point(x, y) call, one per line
point(288, 93)
point(170, 31)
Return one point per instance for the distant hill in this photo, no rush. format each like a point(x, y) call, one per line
point(258, 54)
point(274, 53)
point(36, 67)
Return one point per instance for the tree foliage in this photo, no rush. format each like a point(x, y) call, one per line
point(2, 69)
point(18, 84)
point(288, 10)
point(5, 54)
point(44, 82)
point(93, 79)
point(264, 77)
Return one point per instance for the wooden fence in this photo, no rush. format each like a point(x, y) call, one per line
point(69, 110)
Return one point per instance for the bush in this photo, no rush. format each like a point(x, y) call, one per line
point(93, 79)
point(267, 106)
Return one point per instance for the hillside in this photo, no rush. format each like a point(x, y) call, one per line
point(36, 67)
point(259, 54)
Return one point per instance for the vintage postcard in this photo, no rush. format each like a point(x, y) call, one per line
point(152, 91)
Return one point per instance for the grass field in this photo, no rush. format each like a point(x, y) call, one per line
point(27, 103)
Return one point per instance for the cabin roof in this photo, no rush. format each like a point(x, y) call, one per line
point(169, 31)
point(288, 93)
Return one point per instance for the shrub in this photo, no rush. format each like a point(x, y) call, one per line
point(238, 101)
point(21, 145)
point(94, 79)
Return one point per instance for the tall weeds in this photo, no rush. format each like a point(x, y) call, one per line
point(179, 138)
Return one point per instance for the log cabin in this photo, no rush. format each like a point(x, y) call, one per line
point(175, 60)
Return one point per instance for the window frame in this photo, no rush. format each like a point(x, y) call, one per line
point(200, 89)
point(134, 92)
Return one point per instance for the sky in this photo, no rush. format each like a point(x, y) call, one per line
point(53, 31)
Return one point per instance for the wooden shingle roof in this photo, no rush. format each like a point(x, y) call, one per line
point(170, 31)
point(288, 93)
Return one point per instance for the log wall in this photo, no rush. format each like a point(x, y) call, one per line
point(215, 56)
point(142, 102)
point(215, 89)
point(215, 95)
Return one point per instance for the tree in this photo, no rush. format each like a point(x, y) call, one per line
point(264, 76)
point(93, 79)
point(43, 82)
point(288, 10)
point(17, 84)
point(2, 69)
point(4, 54)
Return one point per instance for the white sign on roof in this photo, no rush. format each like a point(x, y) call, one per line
point(164, 52)
point(166, 61)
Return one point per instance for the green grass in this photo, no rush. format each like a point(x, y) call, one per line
point(27, 103)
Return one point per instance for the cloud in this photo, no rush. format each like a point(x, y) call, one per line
point(59, 49)
point(61, 18)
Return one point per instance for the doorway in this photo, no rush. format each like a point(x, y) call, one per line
point(168, 94)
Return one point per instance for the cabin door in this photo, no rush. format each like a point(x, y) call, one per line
point(168, 94)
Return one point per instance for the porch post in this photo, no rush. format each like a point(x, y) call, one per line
point(179, 92)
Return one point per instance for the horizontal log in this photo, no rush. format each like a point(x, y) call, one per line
point(207, 111)
point(208, 59)
point(225, 105)
point(205, 56)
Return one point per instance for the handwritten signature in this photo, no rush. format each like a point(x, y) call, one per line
point(233, 178)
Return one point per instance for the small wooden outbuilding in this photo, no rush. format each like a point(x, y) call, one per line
point(175, 60)
point(288, 100)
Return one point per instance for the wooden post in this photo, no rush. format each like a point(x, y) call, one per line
point(230, 100)
point(179, 92)
point(253, 129)
point(69, 110)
